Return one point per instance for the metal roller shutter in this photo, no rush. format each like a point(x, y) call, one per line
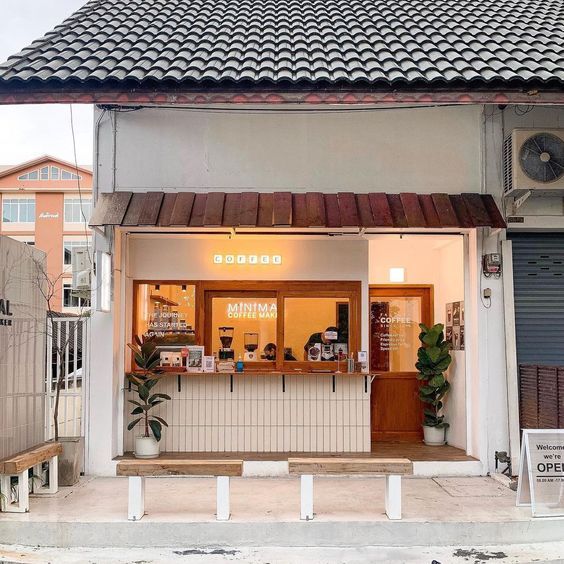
point(538, 276)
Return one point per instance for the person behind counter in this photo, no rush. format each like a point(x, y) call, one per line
point(270, 353)
point(321, 338)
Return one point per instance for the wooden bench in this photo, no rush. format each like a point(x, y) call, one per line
point(392, 468)
point(138, 469)
point(18, 465)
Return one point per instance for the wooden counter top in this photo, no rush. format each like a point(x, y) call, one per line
point(264, 373)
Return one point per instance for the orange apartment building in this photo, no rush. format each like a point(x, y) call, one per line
point(47, 202)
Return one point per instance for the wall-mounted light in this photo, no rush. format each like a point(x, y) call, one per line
point(103, 281)
point(184, 287)
point(397, 274)
point(157, 287)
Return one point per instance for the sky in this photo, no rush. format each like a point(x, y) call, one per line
point(29, 131)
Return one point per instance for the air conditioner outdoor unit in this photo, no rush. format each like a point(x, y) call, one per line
point(81, 270)
point(533, 159)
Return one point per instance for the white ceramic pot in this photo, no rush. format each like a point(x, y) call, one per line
point(434, 436)
point(146, 447)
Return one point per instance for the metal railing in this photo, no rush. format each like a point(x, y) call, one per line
point(67, 356)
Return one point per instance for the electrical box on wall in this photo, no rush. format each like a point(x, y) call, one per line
point(81, 271)
point(491, 265)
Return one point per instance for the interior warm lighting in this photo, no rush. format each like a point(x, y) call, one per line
point(397, 274)
point(184, 287)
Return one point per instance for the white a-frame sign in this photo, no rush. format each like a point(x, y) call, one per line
point(541, 472)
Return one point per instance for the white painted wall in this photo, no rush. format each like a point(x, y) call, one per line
point(22, 348)
point(386, 149)
point(436, 260)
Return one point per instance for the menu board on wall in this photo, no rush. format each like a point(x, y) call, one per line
point(454, 326)
point(541, 472)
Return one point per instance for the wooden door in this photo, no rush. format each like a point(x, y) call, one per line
point(395, 314)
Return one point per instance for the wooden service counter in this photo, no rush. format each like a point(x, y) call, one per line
point(262, 412)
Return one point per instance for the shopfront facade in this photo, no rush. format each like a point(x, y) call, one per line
point(280, 247)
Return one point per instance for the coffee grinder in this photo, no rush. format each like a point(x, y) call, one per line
point(251, 341)
point(226, 338)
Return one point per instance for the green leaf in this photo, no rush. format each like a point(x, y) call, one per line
point(143, 392)
point(160, 419)
point(156, 396)
point(434, 353)
point(133, 423)
point(134, 402)
point(437, 381)
point(137, 411)
point(156, 427)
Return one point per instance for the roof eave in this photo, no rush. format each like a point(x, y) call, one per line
point(20, 93)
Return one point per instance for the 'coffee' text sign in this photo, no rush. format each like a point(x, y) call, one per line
point(541, 472)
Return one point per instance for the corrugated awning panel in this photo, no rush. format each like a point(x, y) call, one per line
point(302, 210)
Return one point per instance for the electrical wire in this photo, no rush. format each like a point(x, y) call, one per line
point(84, 220)
point(269, 110)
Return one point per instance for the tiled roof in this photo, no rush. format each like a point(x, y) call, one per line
point(301, 210)
point(376, 43)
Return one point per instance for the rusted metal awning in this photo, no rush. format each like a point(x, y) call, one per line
point(297, 210)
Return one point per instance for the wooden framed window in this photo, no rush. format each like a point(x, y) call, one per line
point(287, 318)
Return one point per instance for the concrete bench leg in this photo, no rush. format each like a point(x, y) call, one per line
point(306, 497)
point(136, 503)
point(393, 497)
point(52, 484)
point(223, 510)
point(22, 505)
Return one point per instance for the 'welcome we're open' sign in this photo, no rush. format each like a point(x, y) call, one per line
point(541, 472)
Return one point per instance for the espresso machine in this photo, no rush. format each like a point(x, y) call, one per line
point(226, 338)
point(251, 341)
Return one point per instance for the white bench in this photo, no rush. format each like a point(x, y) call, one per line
point(16, 468)
point(137, 470)
point(392, 468)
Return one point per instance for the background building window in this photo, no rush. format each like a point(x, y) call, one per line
point(44, 173)
point(77, 210)
point(69, 300)
point(20, 210)
point(68, 246)
point(66, 175)
point(54, 173)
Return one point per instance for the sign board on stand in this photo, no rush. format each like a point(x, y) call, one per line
point(541, 472)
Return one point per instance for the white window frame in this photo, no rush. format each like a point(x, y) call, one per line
point(82, 204)
point(12, 201)
point(76, 242)
point(80, 305)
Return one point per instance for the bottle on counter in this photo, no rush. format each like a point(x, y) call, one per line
point(239, 366)
point(350, 364)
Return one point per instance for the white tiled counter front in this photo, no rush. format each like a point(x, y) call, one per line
point(307, 412)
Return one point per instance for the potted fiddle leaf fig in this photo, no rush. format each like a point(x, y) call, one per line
point(433, 359)
point(147, 359)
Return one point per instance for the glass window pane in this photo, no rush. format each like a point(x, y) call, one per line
point(394, 333)
point(45, 173)
point(54, 173)
point(316, 329)
point(167, 311)
point(66, 175)
point(34, 175)
point(253, 322)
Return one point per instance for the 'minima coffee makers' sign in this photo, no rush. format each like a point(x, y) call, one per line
point(5, 312)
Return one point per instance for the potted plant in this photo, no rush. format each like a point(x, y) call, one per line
point(433, 358)
point(147, 359)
